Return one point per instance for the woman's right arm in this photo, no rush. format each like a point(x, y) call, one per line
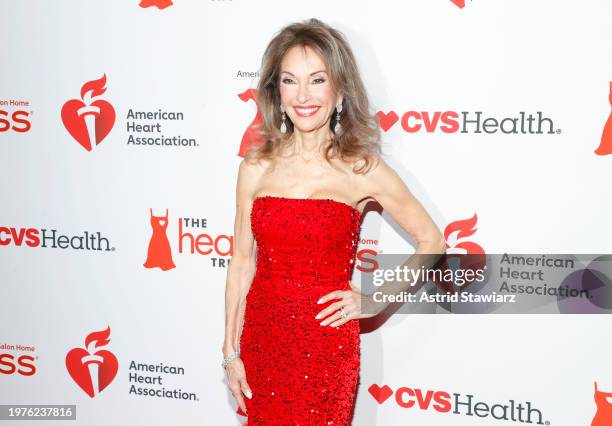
point(240, 273)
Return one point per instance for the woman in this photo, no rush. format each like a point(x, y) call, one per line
point(299, 201)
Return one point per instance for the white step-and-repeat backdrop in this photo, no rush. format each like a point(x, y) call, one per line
point(121, 129)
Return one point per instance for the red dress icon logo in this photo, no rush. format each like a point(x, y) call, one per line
point(603, 416)
point(93, 370)
point(605, 147)
point(459, 3)
point(251, 135)
point(159, 254)
point(87, 120)
point(160, 4)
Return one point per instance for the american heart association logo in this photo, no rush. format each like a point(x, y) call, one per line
point(89, 120)
point(93, 370)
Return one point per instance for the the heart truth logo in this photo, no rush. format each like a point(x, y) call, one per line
point(444, 402)
point(89, 120)
point(605, 146)
point(92, 369)
point(159, 254)
point(160, 4)
point(189, 237)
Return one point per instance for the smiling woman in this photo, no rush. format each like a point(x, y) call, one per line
point(299, 202)
point(309, 79)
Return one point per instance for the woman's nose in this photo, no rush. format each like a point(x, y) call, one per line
point(303, 93)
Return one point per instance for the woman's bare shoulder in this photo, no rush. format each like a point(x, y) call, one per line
point(250, 175)
point(254, 167)
point(365, 169)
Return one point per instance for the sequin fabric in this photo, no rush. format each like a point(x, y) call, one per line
point(300, 373)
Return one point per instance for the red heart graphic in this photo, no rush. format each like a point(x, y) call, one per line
point(380, 394)
point(386, 120)
point(80, 373)
point(76, 126)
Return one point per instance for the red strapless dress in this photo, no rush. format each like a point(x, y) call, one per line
point(301, 373)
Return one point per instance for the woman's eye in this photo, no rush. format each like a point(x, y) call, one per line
point(316, 80)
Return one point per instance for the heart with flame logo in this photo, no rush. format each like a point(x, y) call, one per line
point(79, 359)
point(75, 111)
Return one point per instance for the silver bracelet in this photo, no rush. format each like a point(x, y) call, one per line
point(230, 358)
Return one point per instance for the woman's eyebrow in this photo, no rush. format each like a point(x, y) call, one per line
point(312, 73)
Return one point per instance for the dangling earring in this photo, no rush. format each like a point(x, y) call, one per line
point(283, 127)
point(338, 127)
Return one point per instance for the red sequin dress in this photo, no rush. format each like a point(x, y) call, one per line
point(300, 373)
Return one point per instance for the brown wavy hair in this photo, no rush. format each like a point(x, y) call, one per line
point(360, 134)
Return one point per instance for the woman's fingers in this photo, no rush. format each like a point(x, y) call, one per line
point(336, 294)
point(240, 401)
point(338, 320)
point(330, 309)
point(331, 318)
point(237, 383)
point(246, 389)
point(237, 392)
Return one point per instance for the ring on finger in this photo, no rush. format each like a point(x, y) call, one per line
point(343, 313)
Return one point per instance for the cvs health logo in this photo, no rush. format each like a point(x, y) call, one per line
point(475, 122)
point(160, 4)
point(17, 120)
point(443, 402)
point(91, 368)
point(51, 238)
point(89, 119)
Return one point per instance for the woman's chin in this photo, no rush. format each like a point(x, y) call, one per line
point(307, 127)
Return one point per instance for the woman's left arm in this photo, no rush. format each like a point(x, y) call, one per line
point(385, 185)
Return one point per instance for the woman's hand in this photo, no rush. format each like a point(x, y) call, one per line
point(350, 300)
point(236, 381)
